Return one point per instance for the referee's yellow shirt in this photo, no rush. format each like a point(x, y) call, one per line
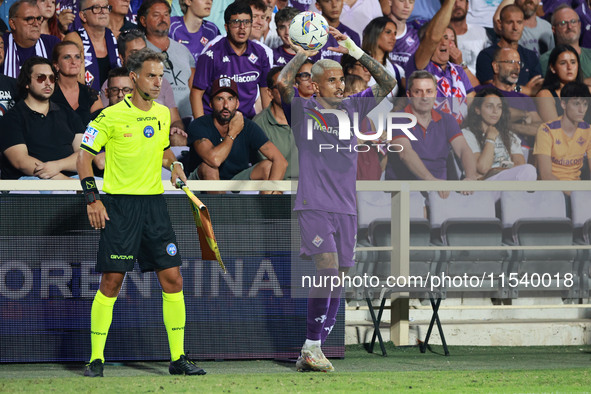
point(134, 142)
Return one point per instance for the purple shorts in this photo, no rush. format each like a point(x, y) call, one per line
point(326, 232)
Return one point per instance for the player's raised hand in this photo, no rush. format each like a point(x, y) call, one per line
point(346, 45)
point(299, 49)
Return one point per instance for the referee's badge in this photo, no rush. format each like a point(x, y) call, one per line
point(148, 131)
point(171, 249)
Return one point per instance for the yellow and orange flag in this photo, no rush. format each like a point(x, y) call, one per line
point(207, 241)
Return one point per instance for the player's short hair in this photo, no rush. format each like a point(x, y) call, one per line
point(16, 5)
point(24, 78)
point(272, 72)
point(137, 59)
point(285, 15)
point(55, 53)
point(129, 36)
point(419, 74)
point(321, 66)
point(117, 72)
point(235, 8)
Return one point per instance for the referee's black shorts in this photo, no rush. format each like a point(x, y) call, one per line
point(139, 229)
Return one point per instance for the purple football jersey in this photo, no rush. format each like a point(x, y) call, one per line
point(195, 42)
point(585, 16)
point(405, 46)
point(248, 70)
point(281, 57)
point(302, 5)
point(328, 165)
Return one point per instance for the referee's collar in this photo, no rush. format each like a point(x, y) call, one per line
point(128, 102)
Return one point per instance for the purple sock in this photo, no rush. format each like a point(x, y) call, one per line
point(331, 316)
point(318, 303)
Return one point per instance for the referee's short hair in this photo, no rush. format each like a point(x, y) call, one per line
point(137, 59)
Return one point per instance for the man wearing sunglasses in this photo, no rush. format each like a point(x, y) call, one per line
point(245, 61)
point(98, 43)
point(39, 139)
point(25, 39)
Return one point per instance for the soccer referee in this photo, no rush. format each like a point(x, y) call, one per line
point(132, 215)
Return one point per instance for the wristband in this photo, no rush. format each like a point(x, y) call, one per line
point(176, 162)
point(232, 138)
point(354, 50)
point(91, 193)
point(491, 141)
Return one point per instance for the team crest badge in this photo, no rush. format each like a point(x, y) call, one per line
point(171, 249)
point(88, 77)
point(203, 41)
point(148, 131)
point(317, 241)
point(253, 58)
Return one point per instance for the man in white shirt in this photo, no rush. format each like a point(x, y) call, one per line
point(470, 44)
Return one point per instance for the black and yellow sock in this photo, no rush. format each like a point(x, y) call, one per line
point(173, 312)
point(101, 316)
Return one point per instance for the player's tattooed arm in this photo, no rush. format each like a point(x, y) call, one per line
point(287, 76)
point(385, 82)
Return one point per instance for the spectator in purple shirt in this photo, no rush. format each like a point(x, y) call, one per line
point(191, 29)
point(326, 196)
point(433, 55)
point(435, 131)
point(331, 10)
point(243, 60)
point(407, 33)
point(283, 53)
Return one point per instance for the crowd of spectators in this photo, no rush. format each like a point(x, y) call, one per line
point(501, 87)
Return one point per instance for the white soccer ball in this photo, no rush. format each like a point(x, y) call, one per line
point(309, 30)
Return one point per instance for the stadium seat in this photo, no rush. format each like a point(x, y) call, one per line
point(534, 219)
point(469, 220)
